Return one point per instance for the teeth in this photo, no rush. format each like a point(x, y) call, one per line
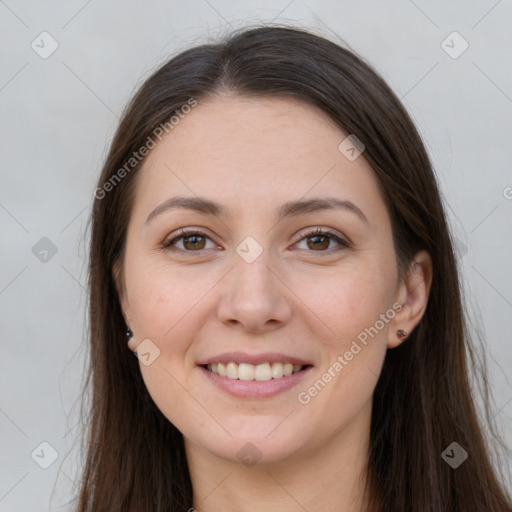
point(277, 370)
point(232, 371)
point(263, 372)
point(221, 369)
point(245, 371)
point(259, 372)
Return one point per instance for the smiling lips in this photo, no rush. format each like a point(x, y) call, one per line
point(255, 376)
point(240, 366)
point(259, 372)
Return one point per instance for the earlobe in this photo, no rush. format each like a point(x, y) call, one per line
point(413, 295)
point(130, 337)
point(132, 342)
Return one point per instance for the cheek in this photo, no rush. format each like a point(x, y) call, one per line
point(161, 300)
point(350, 304)
point(349, 301)
point(165, 307)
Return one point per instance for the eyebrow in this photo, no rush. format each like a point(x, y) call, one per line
point(289, 209)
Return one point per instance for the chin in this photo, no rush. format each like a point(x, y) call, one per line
point(256, 444)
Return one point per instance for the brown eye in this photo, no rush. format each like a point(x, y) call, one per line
point(192, 241)
point(319, 240)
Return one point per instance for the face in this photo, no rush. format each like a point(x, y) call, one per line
point(250, 289)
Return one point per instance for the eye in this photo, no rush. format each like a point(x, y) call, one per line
point(193, 241)
point(320, 239)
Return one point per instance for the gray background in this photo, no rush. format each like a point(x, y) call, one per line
point(58, 115)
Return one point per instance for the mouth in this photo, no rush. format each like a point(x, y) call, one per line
point(261, 376)
point(255, 372)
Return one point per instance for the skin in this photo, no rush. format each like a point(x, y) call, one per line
point(252, 155)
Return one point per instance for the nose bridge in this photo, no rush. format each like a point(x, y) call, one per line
point(254, 264)
point(253, 295)
point(252, 275)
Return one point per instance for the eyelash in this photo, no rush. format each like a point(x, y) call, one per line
point(323, 232)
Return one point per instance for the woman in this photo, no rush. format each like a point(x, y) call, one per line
point(268, 239)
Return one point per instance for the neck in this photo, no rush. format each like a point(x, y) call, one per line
point(327, 478)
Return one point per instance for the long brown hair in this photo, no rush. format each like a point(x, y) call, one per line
point(424, 400)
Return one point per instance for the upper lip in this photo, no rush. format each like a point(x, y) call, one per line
point(254, 359)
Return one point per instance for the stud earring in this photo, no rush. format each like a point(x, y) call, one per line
point(401, 334)
point(129, 333)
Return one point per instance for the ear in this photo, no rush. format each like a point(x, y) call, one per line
point(412, 293)
point(118, 277)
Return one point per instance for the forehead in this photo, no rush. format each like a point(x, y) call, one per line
point(252, 151)
point(271, 129)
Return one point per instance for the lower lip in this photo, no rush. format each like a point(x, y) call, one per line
point(255, 388)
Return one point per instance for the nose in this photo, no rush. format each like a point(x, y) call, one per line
point(254, 298)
